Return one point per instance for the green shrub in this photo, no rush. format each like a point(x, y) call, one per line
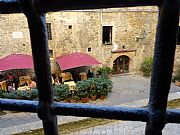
point(24, 95)
point(62, 92)
point(83, 94)
point(1, 93)
point(93, 92)
point(104, 71)
point(94, 86)
point(103, 85)
point(83, 85)
point(33, 94)
point(11, 95)
point(83, 88)
point(103, 92)
point(146, 66)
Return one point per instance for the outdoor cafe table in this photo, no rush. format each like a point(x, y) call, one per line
point(23, 88)
point(72, 85)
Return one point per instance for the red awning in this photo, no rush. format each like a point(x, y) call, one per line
point(16, 61)
point(76, 59)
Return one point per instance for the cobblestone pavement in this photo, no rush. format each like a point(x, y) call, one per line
point(127, 91)
point(125, 128)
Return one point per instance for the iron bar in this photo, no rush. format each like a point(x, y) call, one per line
point(41, 57)
point(165, 46)
point(109, 112)
point(10, 6)
point(156, 116)
point(119, 113)
point(13, 6)
point(18, 105)
point(93, 4)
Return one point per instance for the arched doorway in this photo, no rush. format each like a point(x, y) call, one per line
point(121, 65)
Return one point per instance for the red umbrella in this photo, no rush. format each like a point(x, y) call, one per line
point(76, 59)
point(16, 61)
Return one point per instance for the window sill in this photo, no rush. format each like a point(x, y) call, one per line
point(107, 44)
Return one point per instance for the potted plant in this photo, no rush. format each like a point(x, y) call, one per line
point(84, 96)
point(83, 88)
point(105, 71)
point(103, 86)
point(62, 92)
point(75, 98)
point(93, 95)
point(103, 93)
point(92, 91)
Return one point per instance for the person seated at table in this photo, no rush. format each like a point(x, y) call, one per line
point(10, 87)
point(32, 83)
point(10, 77)
point(56, 80)
point(90, 74)
point(24, 83)
point(16, 82)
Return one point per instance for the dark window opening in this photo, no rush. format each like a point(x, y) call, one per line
point(178, 38)
point(107, 35)
point(51, 53)
point(89, 49)
point(49, 33)
point(70, 26)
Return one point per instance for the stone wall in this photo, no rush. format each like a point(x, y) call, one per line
point(14, 35)
point(133, 28)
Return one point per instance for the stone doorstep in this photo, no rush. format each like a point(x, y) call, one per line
point(67, 119)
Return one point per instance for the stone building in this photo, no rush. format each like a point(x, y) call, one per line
point(119, 38)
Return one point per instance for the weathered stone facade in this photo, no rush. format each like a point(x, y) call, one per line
point(132, 29)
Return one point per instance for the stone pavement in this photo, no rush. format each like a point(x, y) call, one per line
point(129, 127)
point(113, 128)
point(131, 91)
point(125, 128)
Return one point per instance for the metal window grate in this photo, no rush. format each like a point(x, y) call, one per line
point(156, 115)
point(49, 33)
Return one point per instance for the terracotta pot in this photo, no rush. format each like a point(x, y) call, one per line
point(84, 100)
point(102, 97)
point(93, 98)
point(177, 83)
point(72, 101)
point(67, 100)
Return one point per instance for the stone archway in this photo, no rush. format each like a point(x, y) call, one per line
point(121, 64)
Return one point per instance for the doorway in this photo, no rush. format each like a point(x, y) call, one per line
point(121, 65)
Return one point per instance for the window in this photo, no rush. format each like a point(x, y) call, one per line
point(89, 49)
point(49, 33)
point(107, 35)
point(178, 38)
point(51, 53)
point(70, 26)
